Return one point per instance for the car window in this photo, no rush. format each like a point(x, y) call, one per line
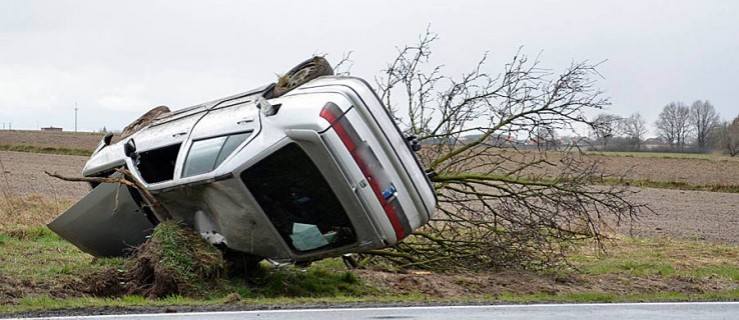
point(229, 146)
point(205, 155)
point(158, 165)
point(298, 201)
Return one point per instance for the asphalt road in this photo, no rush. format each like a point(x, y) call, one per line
point(621, 311)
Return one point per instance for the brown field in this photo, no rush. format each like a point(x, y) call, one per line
point(692, 170)
point(699, 215)
point(49, 139)
point(711, 216)
point(23, 174)
point(691, 215)
point(714, 170)
point(29, 197)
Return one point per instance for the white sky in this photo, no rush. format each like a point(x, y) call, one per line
point(118, 59)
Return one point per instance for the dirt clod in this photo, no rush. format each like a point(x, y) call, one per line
point(12, 290)
point(175, 261)
point(481, 284)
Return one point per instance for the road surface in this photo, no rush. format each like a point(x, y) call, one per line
point(621, 311)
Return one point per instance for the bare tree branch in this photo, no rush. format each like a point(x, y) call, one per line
point(501, 203)
point(344, 66)
point(161, 213)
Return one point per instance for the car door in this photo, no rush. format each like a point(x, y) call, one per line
point(105, 223)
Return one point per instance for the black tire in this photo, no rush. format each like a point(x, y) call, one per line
point(306, 71)
point(143, 121)
point(241, 263)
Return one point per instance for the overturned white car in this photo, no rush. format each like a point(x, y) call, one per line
point(315, 171)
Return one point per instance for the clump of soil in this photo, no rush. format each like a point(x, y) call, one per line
point(12, 290)
point(481, 284)
point(175, 261)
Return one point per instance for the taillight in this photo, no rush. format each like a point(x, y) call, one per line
point(371, 168)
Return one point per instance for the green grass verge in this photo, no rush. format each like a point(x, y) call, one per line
point(36, 255)
point(45, 303)
point(662, 257)
point(48, 150)
point(39, 257)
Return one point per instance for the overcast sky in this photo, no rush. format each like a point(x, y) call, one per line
point(118, 59)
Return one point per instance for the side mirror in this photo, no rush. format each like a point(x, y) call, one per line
point(108, 137)
point(129, 148)
point(413, 142)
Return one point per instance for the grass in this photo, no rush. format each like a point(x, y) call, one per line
point(678, 185)
point(46, 263)
point(175, 259)
point(323, 280)
point(20, 211)
point(39, 257)
point(48, 150)
point(665, 155)
point(662, 257)
point(45, 303)
point(36, 255)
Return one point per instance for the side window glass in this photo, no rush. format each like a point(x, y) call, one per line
point(202, 156)
point(206, 155)
point(231, 144)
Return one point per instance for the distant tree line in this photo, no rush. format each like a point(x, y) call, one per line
point(680, 128)
point(616, 133)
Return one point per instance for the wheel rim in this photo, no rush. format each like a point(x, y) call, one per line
point(303, 74)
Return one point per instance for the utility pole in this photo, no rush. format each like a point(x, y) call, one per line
point(75, 116)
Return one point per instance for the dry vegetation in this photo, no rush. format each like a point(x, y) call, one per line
point(689, 249)
point(23, 211)
point(29, 197)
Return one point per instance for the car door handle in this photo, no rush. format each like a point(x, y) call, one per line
point(245, 121)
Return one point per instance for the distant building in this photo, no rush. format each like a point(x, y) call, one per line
point(51, 128)
point(654, 144)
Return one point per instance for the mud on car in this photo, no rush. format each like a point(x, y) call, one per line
point(307, 168)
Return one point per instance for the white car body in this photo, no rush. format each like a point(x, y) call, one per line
point(320, 171)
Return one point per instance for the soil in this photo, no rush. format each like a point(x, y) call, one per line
point(714, 170)
point(480, 286)
point(53, 139)
point(701, 215)
point(23, 174)
point(695, 215)
point(523, 282)
point(683, 170)
point(12, 290)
